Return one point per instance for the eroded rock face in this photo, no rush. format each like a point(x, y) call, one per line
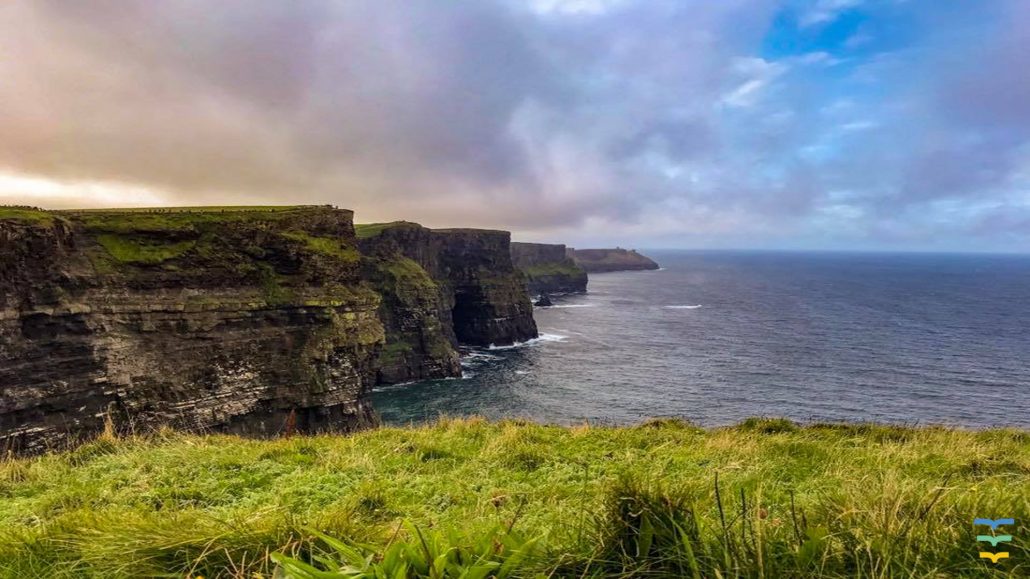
point(240, 321)
point(606, 260)
point(416, 310)
point(252, 321)
point(490, 301)
point(481, 296)
point(548, 269)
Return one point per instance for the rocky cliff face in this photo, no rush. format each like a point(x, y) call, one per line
point(548, 269)
point(605, 260)
point(239, 321)
point(481, 296)
point(254, 321)
point(416, 310)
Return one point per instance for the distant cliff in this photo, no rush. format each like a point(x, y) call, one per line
point(604, 260)
point(247, 320)
point(548, 269)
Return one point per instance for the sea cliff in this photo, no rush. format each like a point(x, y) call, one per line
point(246, 320)
point(479, 297)
point(548, 268)
point(606, 260)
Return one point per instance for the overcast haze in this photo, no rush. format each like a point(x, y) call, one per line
point(831, 124)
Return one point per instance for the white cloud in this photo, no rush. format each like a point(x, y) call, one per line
point(22, 189)
point(863, 125)
point(826, 11)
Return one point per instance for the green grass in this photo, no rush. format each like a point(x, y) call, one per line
point(328, 246)
point(140, 250)
point(177, 219)
point(195, 209)
point(568, 268)
point(23, 214)
point(366, 230)
point(767, 498)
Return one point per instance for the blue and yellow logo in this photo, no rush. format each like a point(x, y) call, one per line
point(994, 538)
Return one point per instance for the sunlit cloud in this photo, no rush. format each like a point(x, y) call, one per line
point(17, 189)
point(669, 122)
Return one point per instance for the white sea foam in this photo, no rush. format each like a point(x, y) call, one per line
point(474, 354)
point(475, 358)
point(567, 306)
point(682, 307)
point(402, 385)
point(538, 340)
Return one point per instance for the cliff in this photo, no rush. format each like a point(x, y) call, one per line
point(245, 320)
point(548, 269)
point(479, 300)
point(416, 310)
point(239, 320)
point(605, 260)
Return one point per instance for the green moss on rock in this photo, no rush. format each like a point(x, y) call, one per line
point(332, 247)
point(142, 250)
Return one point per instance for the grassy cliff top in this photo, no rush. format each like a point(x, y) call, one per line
point(766, 497)
point(196, 209)
point(471, 230)
point(161, 218)
point(192, 239)
point(178, 218)
point(24, 214)
point(565, 267)
point(366, 230)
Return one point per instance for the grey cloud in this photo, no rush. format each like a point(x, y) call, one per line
point(489, 113)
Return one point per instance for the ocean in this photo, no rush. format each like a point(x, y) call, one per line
point(716, 337)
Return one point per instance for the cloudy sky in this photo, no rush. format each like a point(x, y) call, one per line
point(835, 124)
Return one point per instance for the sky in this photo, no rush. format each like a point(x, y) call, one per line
point(777, 124)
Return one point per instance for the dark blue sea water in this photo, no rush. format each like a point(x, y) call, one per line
point(716, 337)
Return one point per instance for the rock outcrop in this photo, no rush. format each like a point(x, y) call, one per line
point(416, 309)
point(481, 300)
point(606, 260)
point(548, 269)
point(247, 321)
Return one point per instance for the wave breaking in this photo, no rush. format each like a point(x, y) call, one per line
point(542, 338)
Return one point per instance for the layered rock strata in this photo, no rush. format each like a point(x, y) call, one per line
point(246, 321)
point(479, 296)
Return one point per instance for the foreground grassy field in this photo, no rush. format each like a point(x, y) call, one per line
point(474, 499)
